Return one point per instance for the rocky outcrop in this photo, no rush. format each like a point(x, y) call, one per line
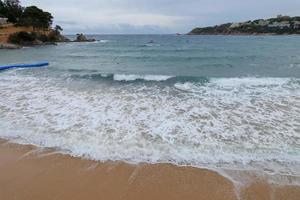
point(62, 38)
point(56, 36)
point(34, 39)
point(16, 37)
point(9, 46)
point(9, 29)
point(82, 38)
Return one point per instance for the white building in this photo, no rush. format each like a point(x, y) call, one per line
point(3, 21)
point(263, 22)
point(280, 25)
point(235, 25)
point(296, 25)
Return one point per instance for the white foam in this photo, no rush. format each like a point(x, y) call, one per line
point(105, 75)
point(228, 84)
point(240, 124)
point(153, 45)
point(133, 77)
point(104, 41)
point(101, 41)
point(187, 86)
point(249, 81)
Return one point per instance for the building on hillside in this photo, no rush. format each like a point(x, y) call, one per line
point(296, 25)
point(3, 21)
point(235, 25)
point(263, 22)
point(281, 25)
point(284, 17)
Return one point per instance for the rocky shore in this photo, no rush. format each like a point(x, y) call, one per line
point(9, 46)
point(30, 38)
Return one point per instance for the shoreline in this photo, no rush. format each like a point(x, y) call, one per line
point(242, 34)
point(28, 172)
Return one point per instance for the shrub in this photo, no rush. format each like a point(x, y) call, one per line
point(22, 37)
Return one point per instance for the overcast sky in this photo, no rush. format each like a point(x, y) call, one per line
point(157, 16)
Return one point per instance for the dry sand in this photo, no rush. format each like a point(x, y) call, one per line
point(28, 173)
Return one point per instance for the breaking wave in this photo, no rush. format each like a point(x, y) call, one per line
point(138, 78)
point(243, 123)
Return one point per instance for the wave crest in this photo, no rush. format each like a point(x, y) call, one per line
point(132, 77)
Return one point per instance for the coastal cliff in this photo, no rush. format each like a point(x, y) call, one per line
point(281, 25)
point(26, 26)
point(29, 26)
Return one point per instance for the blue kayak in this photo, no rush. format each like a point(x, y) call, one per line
point(40, 64)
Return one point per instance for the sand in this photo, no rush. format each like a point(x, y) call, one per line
point(29, 173)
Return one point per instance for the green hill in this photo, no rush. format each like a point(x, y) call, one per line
point(273, 26)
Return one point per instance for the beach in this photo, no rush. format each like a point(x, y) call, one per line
point(31, 173)
point(137, 100)
point(181, 117)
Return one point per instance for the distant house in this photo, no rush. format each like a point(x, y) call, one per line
point(282, 17)
point(238, 25)
point(296, 25)
point(235, 25)
point(263, 22)
point(281, 25)
point(3, 21)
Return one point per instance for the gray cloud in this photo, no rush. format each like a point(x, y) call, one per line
point(157, 16)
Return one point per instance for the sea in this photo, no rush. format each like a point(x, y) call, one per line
point(217, 102)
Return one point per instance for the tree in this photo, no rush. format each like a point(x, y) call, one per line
point(58, 29)
point(33, 16)
point(55, 35)
point(2, 9)
point(29, 16)
point(11, 9)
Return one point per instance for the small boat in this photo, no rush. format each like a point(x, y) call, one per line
point(40, 64)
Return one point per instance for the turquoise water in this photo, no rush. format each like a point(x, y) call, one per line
point(205, 56)
point(205, 101)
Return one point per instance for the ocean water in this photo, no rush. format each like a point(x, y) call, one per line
point(205, 101)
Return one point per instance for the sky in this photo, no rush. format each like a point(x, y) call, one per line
point(157, 16)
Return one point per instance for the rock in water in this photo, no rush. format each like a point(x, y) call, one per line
point(82, 38)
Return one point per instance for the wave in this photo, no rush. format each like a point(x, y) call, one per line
point(103, 41)
point(229, 122)
point(238, 84)
point(81, 56)
point(187, 82)
point(152, 45)
point(124, 77)
point(139, 78)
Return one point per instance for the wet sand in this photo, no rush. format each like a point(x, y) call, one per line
point(29, 173)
